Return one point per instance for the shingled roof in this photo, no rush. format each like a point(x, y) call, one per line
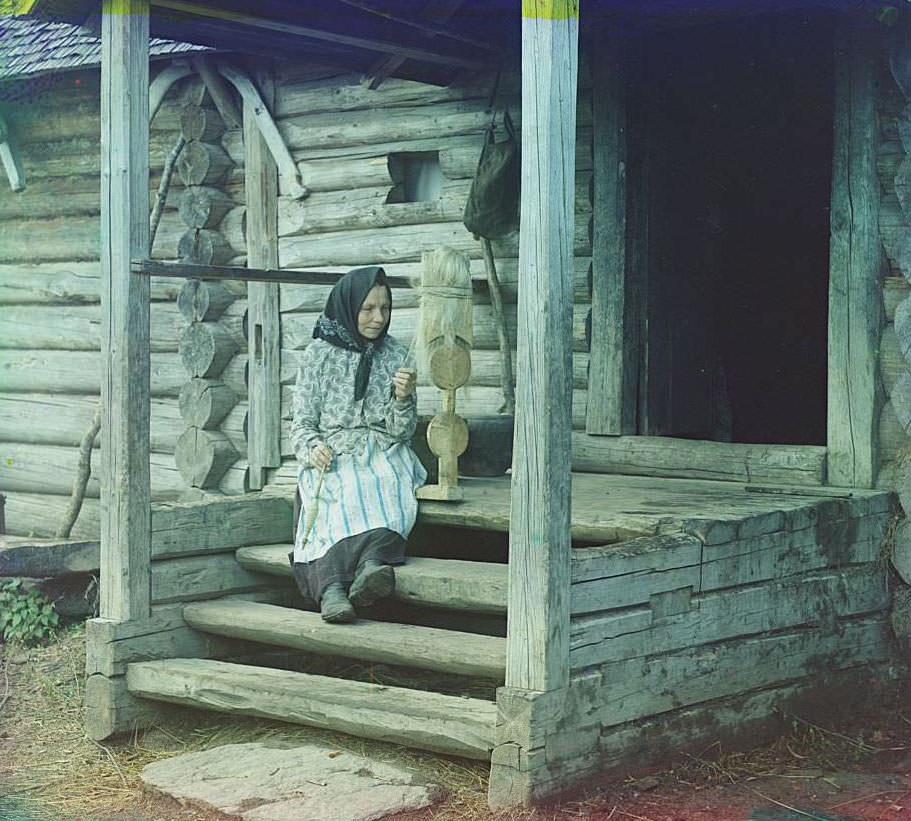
point(31, 46)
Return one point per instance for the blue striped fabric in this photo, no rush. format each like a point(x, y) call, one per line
point(360, 492)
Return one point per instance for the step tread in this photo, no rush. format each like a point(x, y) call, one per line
point(410, 645)
point(448, 583)
point(431, 721)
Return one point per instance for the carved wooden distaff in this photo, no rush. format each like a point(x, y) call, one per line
point(444, 341)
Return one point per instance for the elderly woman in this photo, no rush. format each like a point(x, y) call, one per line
point(354, 414)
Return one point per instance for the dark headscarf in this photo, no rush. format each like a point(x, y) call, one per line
point(337, 324)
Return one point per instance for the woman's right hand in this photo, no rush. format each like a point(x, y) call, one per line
point(321, 456)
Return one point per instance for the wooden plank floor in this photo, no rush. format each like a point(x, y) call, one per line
point(612, 508)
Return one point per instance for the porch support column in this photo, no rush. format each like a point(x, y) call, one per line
point(125, 495)
point(537, 656)
point(855, 260)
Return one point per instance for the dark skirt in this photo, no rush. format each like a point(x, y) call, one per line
point(342, 561)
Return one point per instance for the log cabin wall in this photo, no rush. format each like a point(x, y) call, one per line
point(349, 143)
point(894, 167)
point(50, 318)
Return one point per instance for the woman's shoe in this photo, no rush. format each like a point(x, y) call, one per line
point(373, 581)
point(335, 607)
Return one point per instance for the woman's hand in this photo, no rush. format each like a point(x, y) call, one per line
point(404, 381)
point(321, 456)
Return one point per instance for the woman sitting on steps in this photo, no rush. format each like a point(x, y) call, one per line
point(354, 413)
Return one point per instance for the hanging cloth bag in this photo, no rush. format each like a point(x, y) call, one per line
point(492, 209)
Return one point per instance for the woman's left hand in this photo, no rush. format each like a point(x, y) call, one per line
point(404, 382)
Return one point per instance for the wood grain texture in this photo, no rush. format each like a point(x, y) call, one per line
point(125, 522)
point(855, 303)
point(383, 642)
point(539, 564)
point(613, 378)
point(264, 340)
point(430, 721)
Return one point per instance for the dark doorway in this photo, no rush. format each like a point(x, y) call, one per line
point(730, 141)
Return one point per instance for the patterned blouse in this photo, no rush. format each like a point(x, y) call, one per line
point(324, 409)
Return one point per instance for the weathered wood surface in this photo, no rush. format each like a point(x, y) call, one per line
point(201, 301)
point(479, 587)
point(46, 558)
point(264, 339)
point(613, 380)
point(204, 403)
point(74, 283)
point(382, 642)
point(201, 123)
point(205, 349)
point(124, 461)
point(895, 291)
point(185, 529)
point(686, 458)
point(203, 206)
point(893, 440)
point(400, 243)
point(39, 514)
point(78, 327)
point(51, 468)
point(719, 616)
point(192, 578)
point(203, 456)
point(892, 364)
point(69, 372)
point(855, 303)
point(446, 724)
point(201, 246)
point(901, 550)
point(203, 163)
point(111, 710)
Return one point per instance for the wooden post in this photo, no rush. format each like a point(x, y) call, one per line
point(126, 517)
point(855, 304)
point(612, 383)
point(261, 174)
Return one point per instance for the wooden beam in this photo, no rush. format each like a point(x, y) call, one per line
point(449, 58)
point(261, 180)
point(10, 158)
point(539, 559)
point(613, 382)
point(219, 92)
point(162, 83)
point(126, 518)
point(855, 259)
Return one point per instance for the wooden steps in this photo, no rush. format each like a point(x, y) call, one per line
point(479, 587)
point(441, 723)
point(428, 648)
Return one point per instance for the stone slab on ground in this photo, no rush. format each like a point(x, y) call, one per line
point(281, 781)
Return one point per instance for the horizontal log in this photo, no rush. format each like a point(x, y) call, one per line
point(445, 651)
point(400, 244)
point(892, 364)
point(67, 283)
point(80, 372)
point(724, 615)
point(234, 426)
point(203, 206)
point(313, 297)
point(47, 558)
point(895, 290)
point(202, 301)
point(447, 724)
point(684, 458)
point(201, 246)
point(893, 441)
point(203, 456)
point(78, 327)
point(206, 348)
point(191, 528)
point(459, 158)
point(204, 403)
point(203, 163)
point(44, 199)
point(62, 419)
point(297, 329)
point(110, 710)
point(369, 208)
point(201, 123)
point(40, 514)
point(236, 480)
point(342, 173)
point(193, 578)
point(485, 368)
point(52, 469)
point(63, 239)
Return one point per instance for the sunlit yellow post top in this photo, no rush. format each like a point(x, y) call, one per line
point(124, 7)
point(551, 9)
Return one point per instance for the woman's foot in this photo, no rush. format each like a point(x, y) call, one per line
point(335, 607)
point(373, 581)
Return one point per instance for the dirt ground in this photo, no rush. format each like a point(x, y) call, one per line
point(857, 769)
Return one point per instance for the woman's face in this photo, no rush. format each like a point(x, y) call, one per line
point(373, 316)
